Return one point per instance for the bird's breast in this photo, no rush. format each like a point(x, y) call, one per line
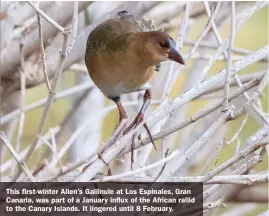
point(117, 74)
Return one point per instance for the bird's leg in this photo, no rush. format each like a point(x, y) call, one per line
point(122, 115)
point(139, 118)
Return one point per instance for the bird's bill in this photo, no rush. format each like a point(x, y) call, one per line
point(174, 55)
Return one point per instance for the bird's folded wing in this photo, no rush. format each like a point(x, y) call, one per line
point(139, 23)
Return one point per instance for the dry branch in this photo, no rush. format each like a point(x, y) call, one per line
point(229, 179)
point(46, 17)
point(20, 162)
point(43, 55)
point(51, 94)
point(194, 117)
point(225, 106)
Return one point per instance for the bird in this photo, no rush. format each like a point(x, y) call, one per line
point(122, 55)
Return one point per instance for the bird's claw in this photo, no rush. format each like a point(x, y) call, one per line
point(139, 118)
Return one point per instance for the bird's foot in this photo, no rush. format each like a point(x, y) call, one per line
point(139, 118)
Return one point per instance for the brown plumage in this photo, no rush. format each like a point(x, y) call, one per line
point(122, 55)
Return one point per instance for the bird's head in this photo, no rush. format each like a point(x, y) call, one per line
point(162, 47)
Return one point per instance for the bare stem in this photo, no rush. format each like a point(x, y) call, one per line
point(133, 172)
point(74, 26)
point(225, 106)
point(46, 17)
point(194, 117)
point(62, 94)
point(50, 96)
point(179, 42)
point(43, 55)
point(22, 98)
point(20, 162)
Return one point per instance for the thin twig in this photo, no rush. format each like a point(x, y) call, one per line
point(252, 99)
point(226, 116)
point(74, 26)
point(115, 135)
point(22, 154)
point(22, 114)
point(211, 158)
point(238, 131)
point(254, 107)
point(234, 159)
point(53, 141)
point(224, 179)
point(238, 145)
point(206, 29)
point(194, 117)
point(196, 145)
point(46, 17)
point(256, 136)
point(151, 166)
point(43, 55)
point(179, 43)
point(212, 190)
point(50, 96)
point(240, 210)
point(163, 167)
point(205, 44)
point(223, 44)
point(20, 162)
point(112, 138)
point(62, 94)
point(235, 115)
point(244, 79)
point(225, 106)
point(54, 146)
point(215, 204)
point(110, 141)
point(85, 124)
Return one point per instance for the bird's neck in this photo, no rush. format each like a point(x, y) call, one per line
point(138, 43)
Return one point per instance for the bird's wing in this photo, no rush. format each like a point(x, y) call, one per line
point(112, 33)
point(138, 24)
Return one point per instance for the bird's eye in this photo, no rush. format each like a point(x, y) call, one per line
point(164, 44)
